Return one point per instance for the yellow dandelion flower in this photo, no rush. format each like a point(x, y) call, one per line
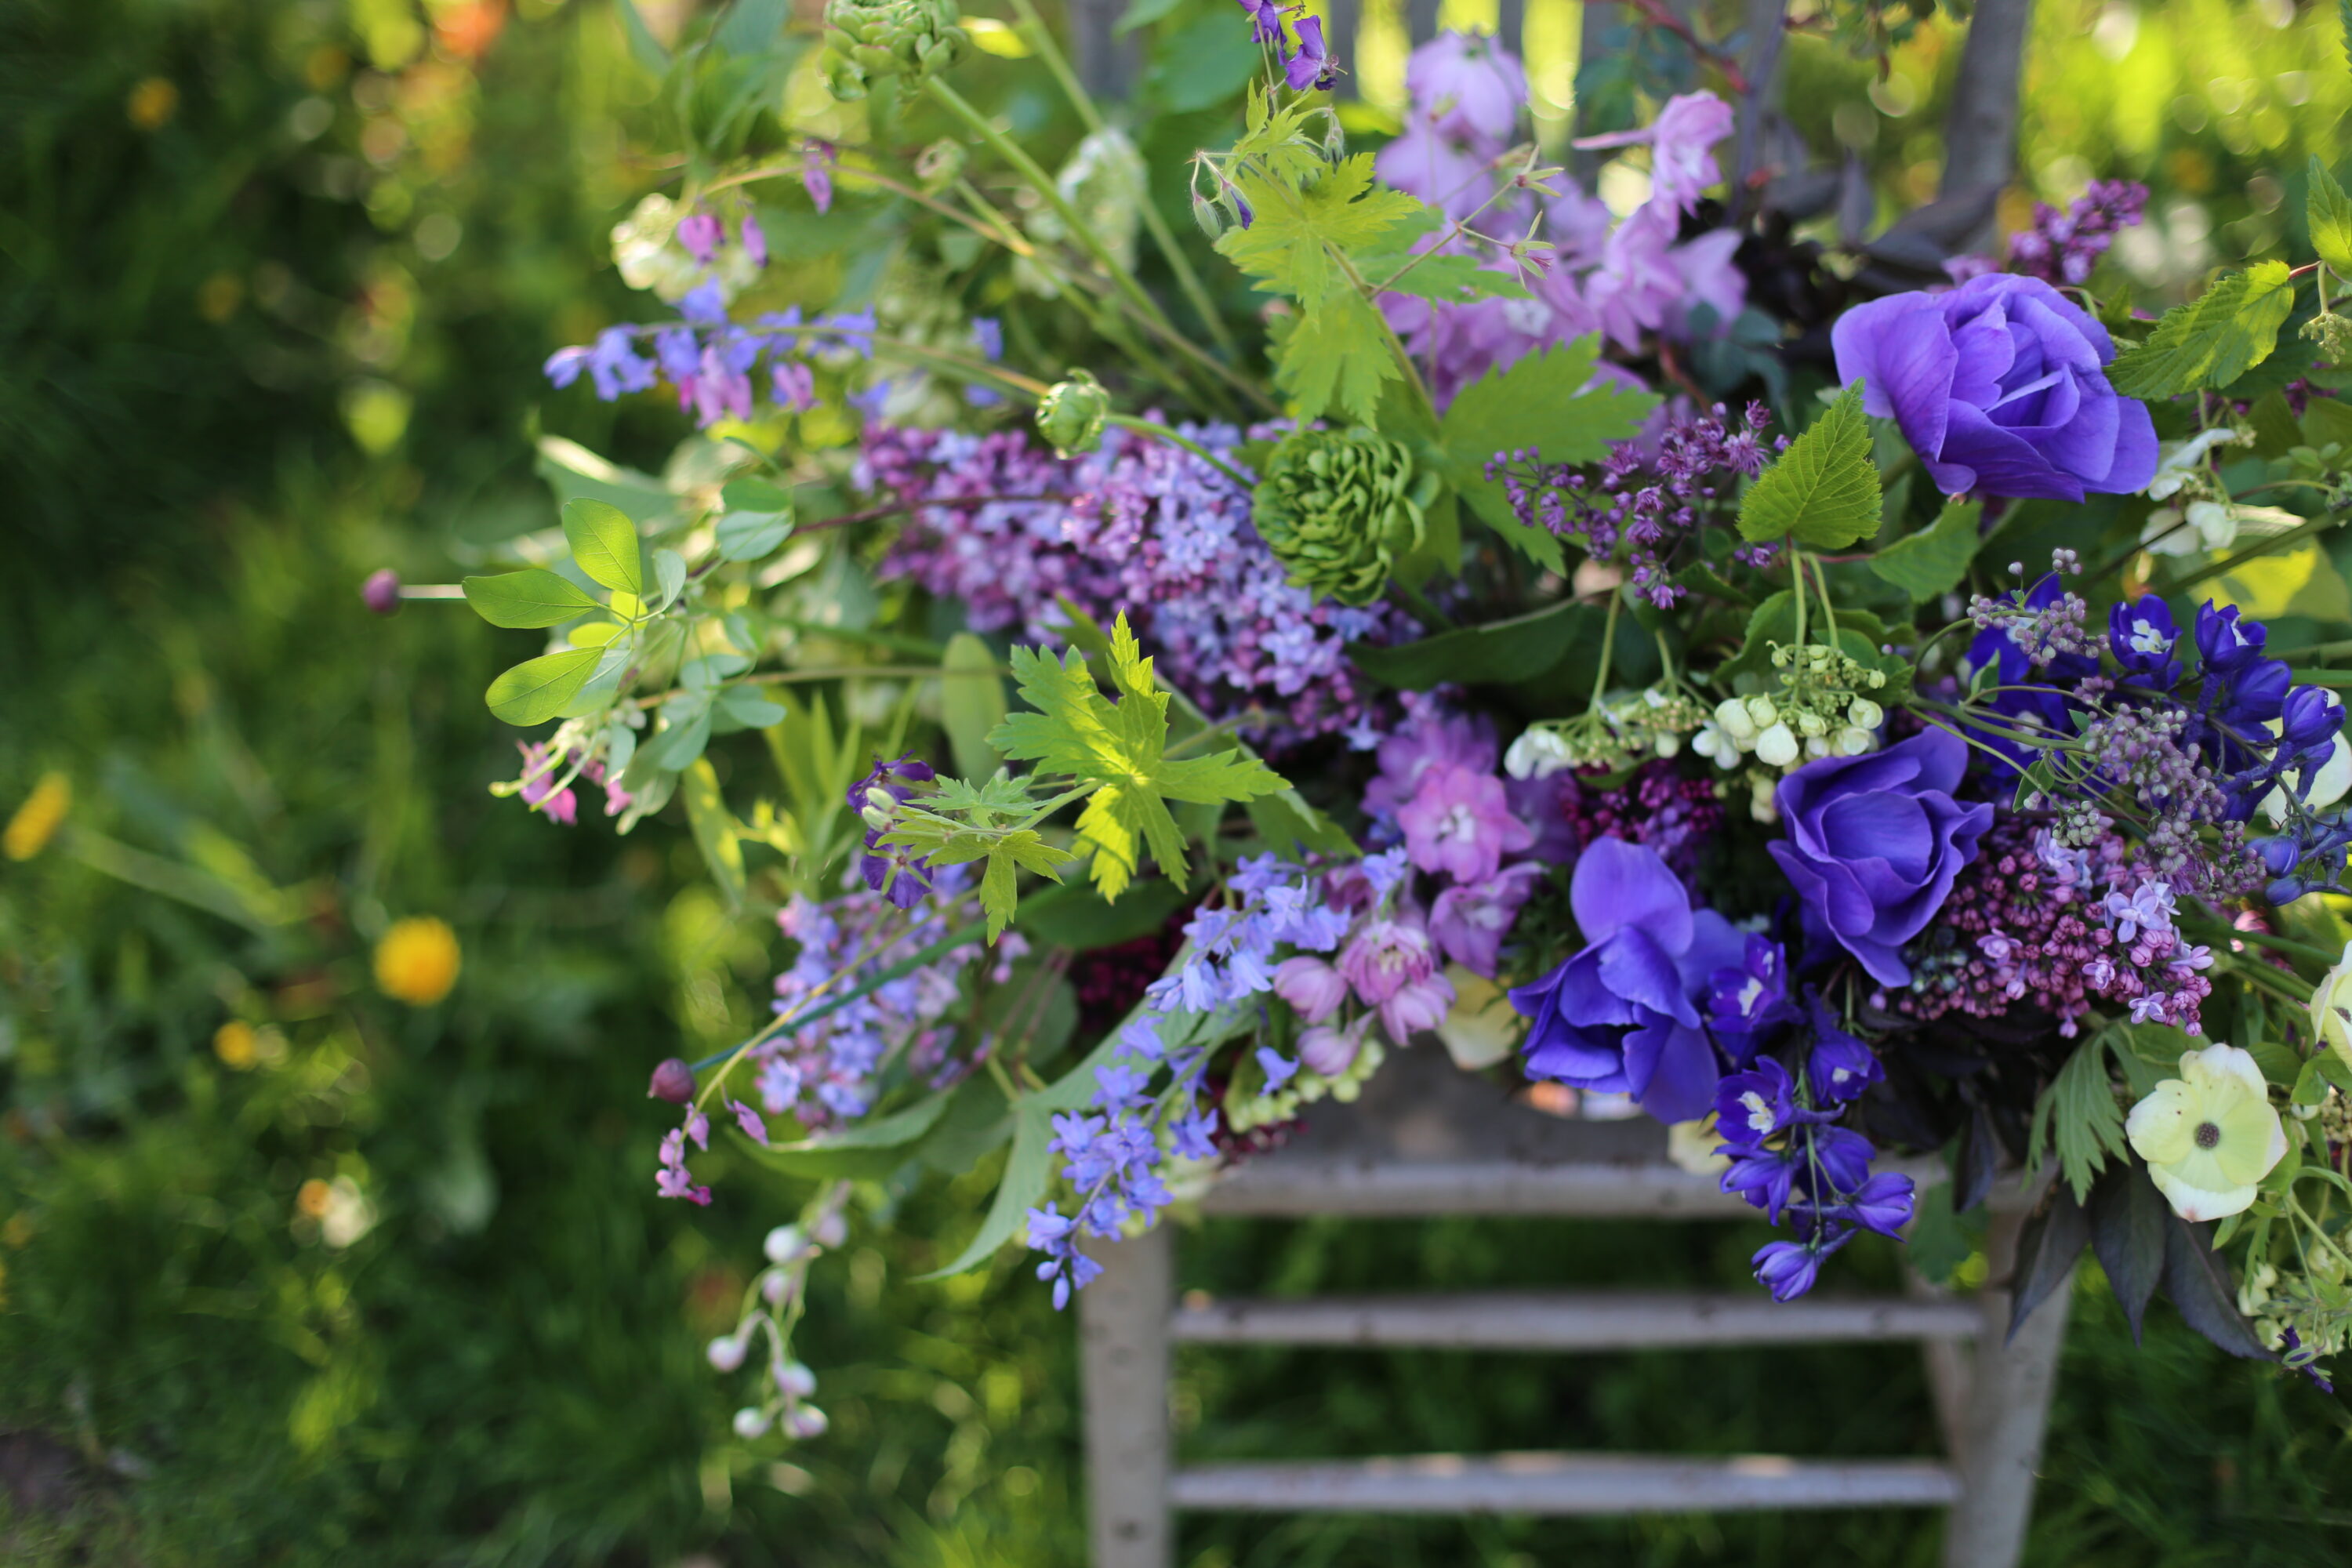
point(152, 104)
point(417, 961)
point(38, 820)
point(237, 1045)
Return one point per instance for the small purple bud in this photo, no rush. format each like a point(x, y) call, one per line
point(673, 1081)
point(381, 592)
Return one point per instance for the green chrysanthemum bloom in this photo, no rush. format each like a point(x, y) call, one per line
point(1340, 508)
point(1071, 417)
point(870, 40)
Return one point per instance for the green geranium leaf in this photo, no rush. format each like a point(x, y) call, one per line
point(605, 543)
point(1823, 492)
point(537, 689)
point(2213, 340)
point(1931, 563)
point(536, 598)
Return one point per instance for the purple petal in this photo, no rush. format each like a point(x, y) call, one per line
point(1618, 884)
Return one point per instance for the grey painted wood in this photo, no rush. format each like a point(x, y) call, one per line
point(1107, 62)
point(2010, 1384)
point(1421, 20)
point(1570, 1320)
point(1123, 1362)
point(1980, 126)
point(1563, 1484)
point(1346, 23)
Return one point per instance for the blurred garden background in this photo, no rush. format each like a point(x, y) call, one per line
point(297, 1272)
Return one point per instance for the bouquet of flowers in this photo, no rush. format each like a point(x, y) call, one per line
point(1840, 699)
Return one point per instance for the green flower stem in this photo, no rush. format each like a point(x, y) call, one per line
point(2271, 546)
point(917, 646)
point(1041, 38)
point(1009, 237)
point(1146, 427)
point(1413, 377)
point(2216, 933)
point(1039, 181)
point(961, 936)
point(1609, 646)
point(1829, 610)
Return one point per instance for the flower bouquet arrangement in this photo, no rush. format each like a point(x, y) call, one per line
point(1839, 698)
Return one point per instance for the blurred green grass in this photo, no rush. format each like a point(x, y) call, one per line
point(280, 325)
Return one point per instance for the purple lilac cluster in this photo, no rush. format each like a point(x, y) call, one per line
point(1650, 496)
point(2032, 923)
point(1657, 806)
point(2062, 247)
point(2186, 752)
point(827, 1071)
point(1113, 1151)
point(1627, 279)
point(1141, 525)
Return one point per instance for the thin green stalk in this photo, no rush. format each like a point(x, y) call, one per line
point(1608, 648)
point(1043, 183)
point(858, 993)
point(1041, 37)
point(1148, 428)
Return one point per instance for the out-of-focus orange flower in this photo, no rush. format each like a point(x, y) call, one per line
point(467, 28)
point(417, 961)
point(152, 104)
point(314, 1197)
point(237, 1045)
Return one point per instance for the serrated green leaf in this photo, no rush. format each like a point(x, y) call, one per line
point(534, 598)
point(1546, 401)
point(536, 690)
point(1823, 492)
point(1446, 278)
point(1336, 357)
point(1287, 249)
point(2086, 1124)
point(1120, 748)
point(2213, 340)
point(1931, 563)
point(605, 544)
point(2328, 212)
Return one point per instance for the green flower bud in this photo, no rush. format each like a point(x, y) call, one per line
point(1071, 417)
point(2332, 334)
point(940, 164)
point(1340, 509)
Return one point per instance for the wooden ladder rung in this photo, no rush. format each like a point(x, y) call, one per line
point(1572, 1320)
point(1298, 1185)
point(1561, 1484)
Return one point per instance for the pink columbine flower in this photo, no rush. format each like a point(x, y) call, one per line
point(1460, 823)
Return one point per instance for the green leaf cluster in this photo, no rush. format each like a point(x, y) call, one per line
point(1117, 752)
point(2079, 1115)
point(1546, 402)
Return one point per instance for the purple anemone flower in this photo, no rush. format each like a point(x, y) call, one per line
point(1618, 1016)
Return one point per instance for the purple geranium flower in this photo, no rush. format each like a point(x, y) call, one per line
point(1618, 1016)
point(1467, 87)
point(1874, 842)
point(1311, 66)
point(2001, 385)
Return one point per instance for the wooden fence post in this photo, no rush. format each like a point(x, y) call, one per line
point(1123, 1360)
point(1980, 129)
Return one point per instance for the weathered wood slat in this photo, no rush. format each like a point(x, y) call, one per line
point(1572, 1320)
point(1562, 1484)
point(1367, 1187)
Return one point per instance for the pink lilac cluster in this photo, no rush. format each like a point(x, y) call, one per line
point(1153, 1088)
point(2062, 247)
point(1649, 497)
point(1625, 279)
point(1141, 526)
point(826, 1072)
point(2033, 923)
point(547, 782)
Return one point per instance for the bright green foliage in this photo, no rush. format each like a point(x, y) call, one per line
point(2328, 213)
point(537, 689)
point(605, 543)
point(1340, 508)
point(1450, 279)
point(2213, 340)
point(1542, 401)
point(534, 598)
point(1120, 748)
point(1823, 492)
point(1931, 563)
point(1311, 219)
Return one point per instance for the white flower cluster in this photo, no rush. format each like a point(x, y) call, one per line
point(2200, 515)
point(1785, 737)
point(1618, 730)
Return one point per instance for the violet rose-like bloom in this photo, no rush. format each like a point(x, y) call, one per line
point(2001, 385)
point(1618, 1016)
point(1460, 823)
point(1471, 920)
point(1874, 842)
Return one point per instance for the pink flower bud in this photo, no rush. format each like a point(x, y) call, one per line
point(381, 592)
point(806, 1423)
point(725, 1353)
point(673, 1081)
